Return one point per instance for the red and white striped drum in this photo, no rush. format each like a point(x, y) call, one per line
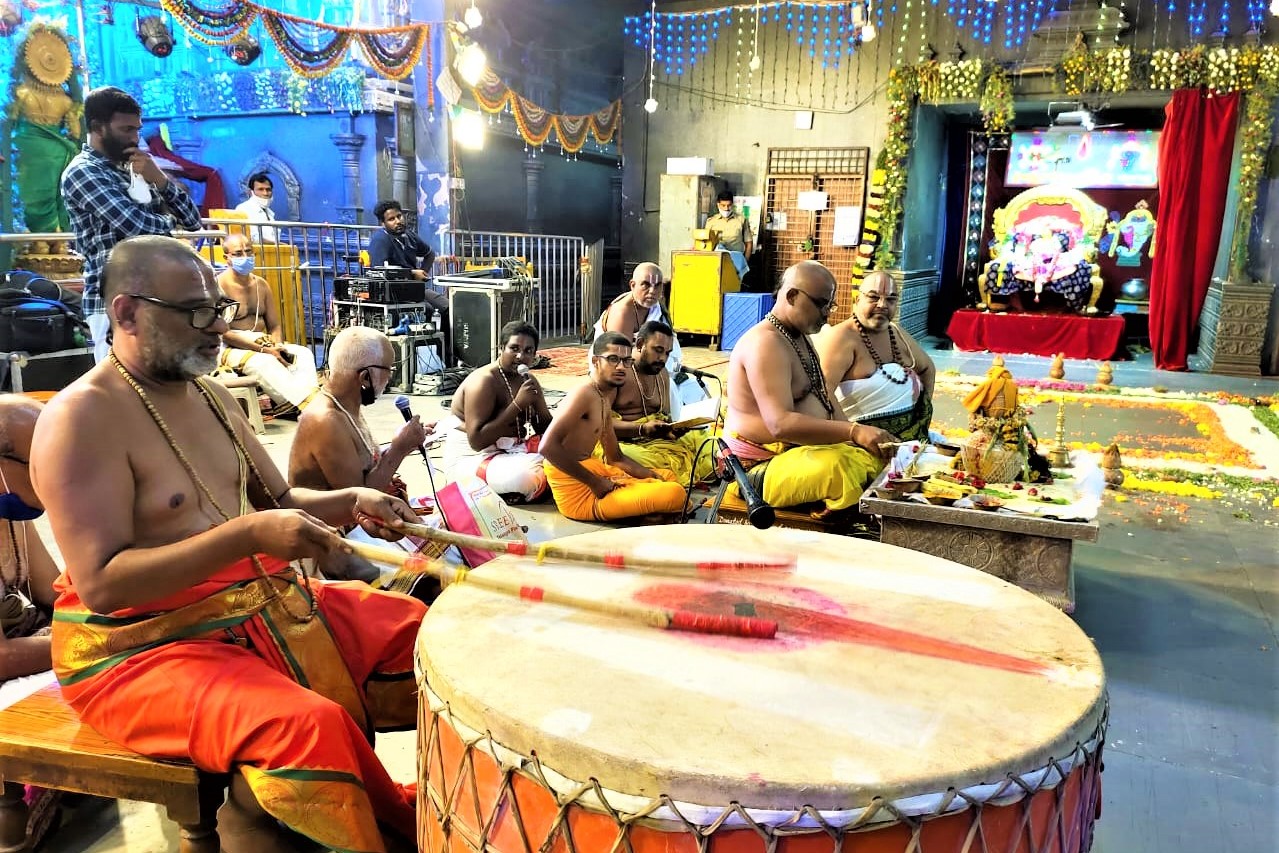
point(906, 704)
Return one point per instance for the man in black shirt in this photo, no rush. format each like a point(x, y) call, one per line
point(396, 246)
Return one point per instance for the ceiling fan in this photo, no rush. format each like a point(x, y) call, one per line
point(1080, 116)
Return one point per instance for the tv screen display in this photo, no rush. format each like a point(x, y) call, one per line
point(1083, 159)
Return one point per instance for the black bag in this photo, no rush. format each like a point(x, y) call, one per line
point(35, 325)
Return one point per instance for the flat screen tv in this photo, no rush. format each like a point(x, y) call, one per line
point(1083, 159)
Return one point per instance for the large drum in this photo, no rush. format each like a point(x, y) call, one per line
point(907, 704)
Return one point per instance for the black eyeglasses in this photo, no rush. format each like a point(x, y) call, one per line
point(201, 316)
point(615, 360)
point(822, 305)
point(387, 368)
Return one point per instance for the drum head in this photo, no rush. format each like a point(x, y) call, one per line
point(893, 673)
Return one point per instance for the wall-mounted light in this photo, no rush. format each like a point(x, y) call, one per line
point(468, 129)
point(472, 18)
point(155, 35)
point(245, 50)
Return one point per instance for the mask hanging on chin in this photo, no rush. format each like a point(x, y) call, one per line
point(14, 508)
point(368, 396)
point(139, 189)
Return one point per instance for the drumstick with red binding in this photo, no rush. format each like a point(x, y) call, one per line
point(609, 559)
point(658, 617)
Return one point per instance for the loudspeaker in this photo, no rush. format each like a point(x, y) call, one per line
point(478, 315)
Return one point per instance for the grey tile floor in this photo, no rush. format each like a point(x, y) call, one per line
point(1184, 615)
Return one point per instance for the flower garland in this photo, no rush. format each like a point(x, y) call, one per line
point(1255, 140)
point(997, 103)
point(536, 124)
point(893, 159)
point(311, 48)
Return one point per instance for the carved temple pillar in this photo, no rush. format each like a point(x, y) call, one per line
point(533, 167)
point(186, 142)
point(615, 209)
point(402, 181)
point(351, 211)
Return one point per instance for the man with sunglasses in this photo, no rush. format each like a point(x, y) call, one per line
point(174, 522)
point(781, 422)
point(874, 369)
point(587, 488)
point(254, 345)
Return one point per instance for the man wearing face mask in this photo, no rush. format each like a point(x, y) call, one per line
point(113, 190)
point(27, 571)
point(253, 346)
point(397, 247)
point(257, 207)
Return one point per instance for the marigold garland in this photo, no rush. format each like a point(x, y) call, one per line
point(536, 124)
point(392, 51)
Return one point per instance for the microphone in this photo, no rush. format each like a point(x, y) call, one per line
point(700, 374)
point(522, 369)
point(761, 514)
point(402, 403)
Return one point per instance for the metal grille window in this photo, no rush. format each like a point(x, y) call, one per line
point(791, 235)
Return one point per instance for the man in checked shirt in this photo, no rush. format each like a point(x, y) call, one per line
point(113, 190)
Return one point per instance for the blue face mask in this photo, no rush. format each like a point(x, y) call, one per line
point(14, 508)
point(243, 266)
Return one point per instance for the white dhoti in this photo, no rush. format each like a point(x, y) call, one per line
point(896, 407)
point(285, 384)
point(509, 467)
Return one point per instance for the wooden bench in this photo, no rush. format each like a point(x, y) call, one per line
point(43, 742)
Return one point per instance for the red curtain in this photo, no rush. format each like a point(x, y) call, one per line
point(1194, 171)
point(214, 192)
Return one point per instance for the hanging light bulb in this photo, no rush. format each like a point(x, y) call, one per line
point(756, 62)
point(472, 63)
point(472, 18)
point(650, 106)
point(468, 130)
point(868, 32)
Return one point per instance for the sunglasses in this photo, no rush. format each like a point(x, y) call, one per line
point(201, 316)
point(822, 305)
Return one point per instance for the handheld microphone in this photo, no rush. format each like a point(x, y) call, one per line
point(522, 369)
point(402, 403)
point(761, 514)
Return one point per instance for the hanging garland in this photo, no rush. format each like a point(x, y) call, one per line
point(311, 49)
point(536, 124)
point(1253, 69)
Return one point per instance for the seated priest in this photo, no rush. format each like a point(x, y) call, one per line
point(499, 416)
point(334, 447)
point(893, 393)
point(254, 344)
point(613, 487)
point(640, 304)
point(643, 406)
point(781, 422)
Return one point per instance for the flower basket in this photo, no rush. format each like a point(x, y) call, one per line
point(992, 460)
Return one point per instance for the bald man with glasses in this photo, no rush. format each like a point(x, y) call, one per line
point(875, 371)
point(795, 442)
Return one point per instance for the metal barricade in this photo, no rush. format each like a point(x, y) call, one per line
point(556, 261)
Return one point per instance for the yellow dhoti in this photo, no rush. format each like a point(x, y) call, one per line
point(632, 497)
point(835, 474)
point(672, 454)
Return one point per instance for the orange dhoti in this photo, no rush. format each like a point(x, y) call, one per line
point(632, 497)
point(232, 676)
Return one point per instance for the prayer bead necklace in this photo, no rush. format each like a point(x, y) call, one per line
point(879, 362)
point(523, 431)
point(658, 395)
point(246, 465)
point(812, 368)
point(21, 573)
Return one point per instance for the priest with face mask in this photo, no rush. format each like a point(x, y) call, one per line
point(254, 344)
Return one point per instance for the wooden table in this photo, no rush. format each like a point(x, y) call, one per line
point(1033, 553)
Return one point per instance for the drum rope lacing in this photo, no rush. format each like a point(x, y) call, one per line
point(771, 825)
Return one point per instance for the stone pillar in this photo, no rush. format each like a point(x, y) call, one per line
point(615, 209)
point(402, 182)
point(351, 211)
point(533, 167)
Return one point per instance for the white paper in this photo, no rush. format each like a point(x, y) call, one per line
point(848, 226)
point(777, 221)
point(812, 200)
